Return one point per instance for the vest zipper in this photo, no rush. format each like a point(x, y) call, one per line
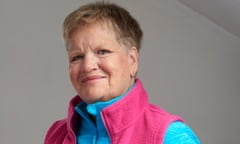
point(104, 123)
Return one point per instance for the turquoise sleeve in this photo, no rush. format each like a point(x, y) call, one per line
point(180, 133)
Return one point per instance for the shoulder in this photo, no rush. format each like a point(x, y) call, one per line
point(179, 132)
point(160, 113)
point(56, 132)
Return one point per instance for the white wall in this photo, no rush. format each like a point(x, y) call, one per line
point(189, 65)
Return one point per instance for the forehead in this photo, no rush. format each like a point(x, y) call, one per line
point(104, 23)
point(92, 35)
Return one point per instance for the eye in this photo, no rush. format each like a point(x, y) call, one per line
point(76, 59)
point(103, 52)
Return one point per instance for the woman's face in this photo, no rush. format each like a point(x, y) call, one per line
point(100, 68)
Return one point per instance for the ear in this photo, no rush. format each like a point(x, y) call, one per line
point(133, 61)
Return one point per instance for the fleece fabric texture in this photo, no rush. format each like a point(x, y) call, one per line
point(129, 120)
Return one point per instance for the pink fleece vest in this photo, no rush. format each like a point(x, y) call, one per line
point(132, 120)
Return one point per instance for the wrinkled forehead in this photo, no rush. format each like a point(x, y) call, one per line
point(103, 23)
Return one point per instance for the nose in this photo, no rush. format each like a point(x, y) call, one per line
point(89, 63)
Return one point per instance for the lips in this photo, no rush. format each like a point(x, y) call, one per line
point(91, 78)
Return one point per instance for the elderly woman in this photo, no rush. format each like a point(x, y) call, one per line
point(103, 41)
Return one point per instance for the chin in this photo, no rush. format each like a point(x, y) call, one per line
point(93, 99)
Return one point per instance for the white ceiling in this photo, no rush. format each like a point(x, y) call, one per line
point(225, 13)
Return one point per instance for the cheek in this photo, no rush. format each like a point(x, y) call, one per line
point(119, 67)
point(73, 73)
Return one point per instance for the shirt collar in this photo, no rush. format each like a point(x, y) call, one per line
point(95, 108)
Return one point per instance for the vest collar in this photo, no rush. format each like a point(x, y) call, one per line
point(123, 113)
point(119, 115)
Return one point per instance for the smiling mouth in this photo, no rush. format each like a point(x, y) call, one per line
point(91, 78)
